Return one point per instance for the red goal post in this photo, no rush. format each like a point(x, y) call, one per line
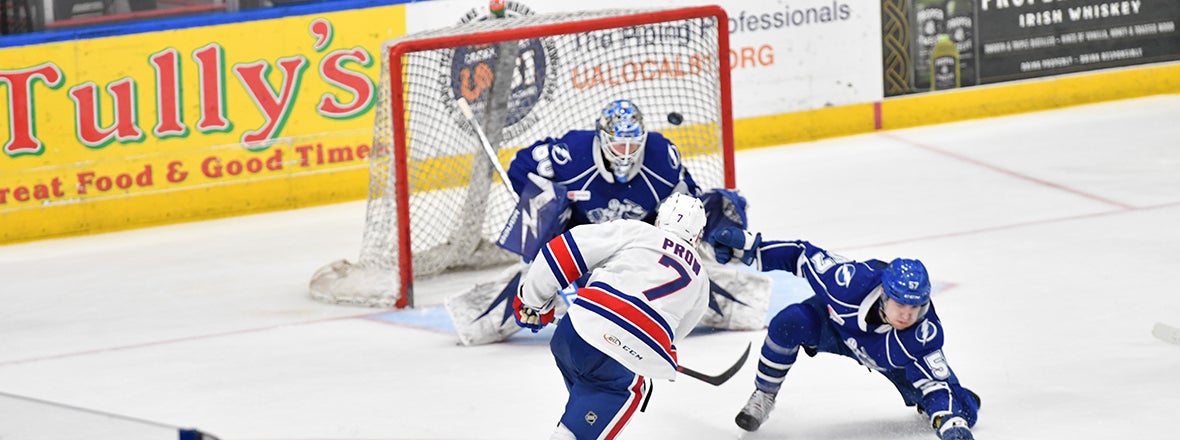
point(437, 201)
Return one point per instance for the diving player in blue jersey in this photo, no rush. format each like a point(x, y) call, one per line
point(876, 312)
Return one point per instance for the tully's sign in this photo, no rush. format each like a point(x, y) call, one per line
point(268, 98)
point(103, 133)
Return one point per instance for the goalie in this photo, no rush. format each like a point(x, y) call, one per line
point(619, 170)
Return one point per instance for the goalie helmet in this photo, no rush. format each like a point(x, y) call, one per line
point(906, 282)
point(621, 136)
point(682, 215)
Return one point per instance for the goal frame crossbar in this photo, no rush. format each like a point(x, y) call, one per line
point(397, 105)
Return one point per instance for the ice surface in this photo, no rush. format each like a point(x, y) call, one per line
point(1053, 239)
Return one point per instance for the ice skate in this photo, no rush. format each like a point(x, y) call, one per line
point(756, 411)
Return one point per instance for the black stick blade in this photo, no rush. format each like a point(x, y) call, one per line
point(720, 378)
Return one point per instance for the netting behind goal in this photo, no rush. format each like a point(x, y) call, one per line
point(436, 200)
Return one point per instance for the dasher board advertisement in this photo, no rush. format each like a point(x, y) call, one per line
point(784, 56)
point(1024, 39)
point(153, 127)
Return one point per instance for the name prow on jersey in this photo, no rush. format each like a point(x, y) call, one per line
point(684, 253)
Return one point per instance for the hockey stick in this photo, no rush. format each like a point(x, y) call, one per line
point(720, 378)
point(1166, 333)
point(487, 146)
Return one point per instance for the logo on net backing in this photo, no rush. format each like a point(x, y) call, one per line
point(472, 73)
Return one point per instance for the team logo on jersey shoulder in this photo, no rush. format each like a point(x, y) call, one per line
point(561, 154)
point(673, 156)
point(591, 417)
point(926, 332)
point(844, 275)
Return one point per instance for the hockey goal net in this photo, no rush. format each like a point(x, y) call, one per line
point(436, 200)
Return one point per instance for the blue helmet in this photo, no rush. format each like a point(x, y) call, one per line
point(621, 136)
point(906, 282)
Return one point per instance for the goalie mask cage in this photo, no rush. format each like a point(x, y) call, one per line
point(437, 202)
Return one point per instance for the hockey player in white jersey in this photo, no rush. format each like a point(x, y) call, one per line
point(646, 289)
point(877, 313)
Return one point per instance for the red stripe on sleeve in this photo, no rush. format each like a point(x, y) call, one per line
point(565, 260)
point(632, 314)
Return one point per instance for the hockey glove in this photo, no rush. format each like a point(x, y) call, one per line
point(541, 214)
point(729, 242)
point(530, 317)
point(952, 428)
point(723, 208)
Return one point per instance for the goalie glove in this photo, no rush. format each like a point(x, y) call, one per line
point(730, 242)
point(532, 318)
point(723, 208)
point(952, 428)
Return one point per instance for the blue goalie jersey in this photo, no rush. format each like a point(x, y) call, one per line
point(574, 162)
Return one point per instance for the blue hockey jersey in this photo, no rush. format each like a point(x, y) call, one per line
point(852, 291)
point(574, 162)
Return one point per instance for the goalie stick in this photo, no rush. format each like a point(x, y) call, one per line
point(487, 146)
point(1166, 333)
point(720, 378)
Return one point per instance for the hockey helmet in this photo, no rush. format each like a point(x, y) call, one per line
point(621, 136)
point(906, 282)
point(682, 215)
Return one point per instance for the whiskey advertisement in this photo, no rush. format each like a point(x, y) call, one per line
point(1031, 38)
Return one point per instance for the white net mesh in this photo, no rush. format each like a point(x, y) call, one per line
point(525, 78)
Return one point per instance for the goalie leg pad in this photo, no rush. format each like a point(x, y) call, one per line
point(738, 299)
point(484, 314)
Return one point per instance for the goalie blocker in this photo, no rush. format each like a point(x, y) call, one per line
point(739, 298)
point(541, 213)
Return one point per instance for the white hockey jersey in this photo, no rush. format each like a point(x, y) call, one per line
point(646, 288)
